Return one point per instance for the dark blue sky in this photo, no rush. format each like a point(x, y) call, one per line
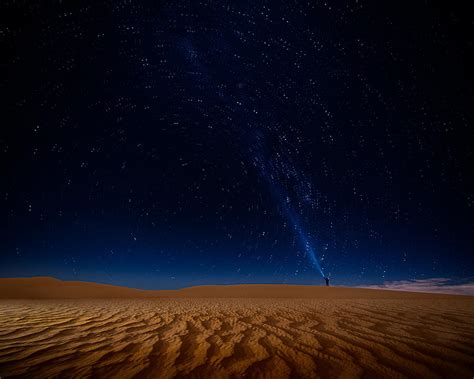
point(166, 144)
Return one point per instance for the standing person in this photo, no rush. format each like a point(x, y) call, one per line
point(327, 281)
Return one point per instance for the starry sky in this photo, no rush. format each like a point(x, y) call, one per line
point(164, 144)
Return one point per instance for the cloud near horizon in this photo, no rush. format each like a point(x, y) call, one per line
point(433, 285)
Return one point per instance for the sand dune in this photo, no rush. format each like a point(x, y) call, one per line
point(51, 288)
point(363, 333)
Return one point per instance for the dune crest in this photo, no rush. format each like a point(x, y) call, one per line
point(52, 288)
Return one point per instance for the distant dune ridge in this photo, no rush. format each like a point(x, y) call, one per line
point(52, 288)
point(254, 331)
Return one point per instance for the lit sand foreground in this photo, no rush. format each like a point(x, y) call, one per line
point(339, 332)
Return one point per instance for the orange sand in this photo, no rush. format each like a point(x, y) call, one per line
point(224, 332)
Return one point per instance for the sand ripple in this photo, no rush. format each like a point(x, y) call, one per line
point(234, 338)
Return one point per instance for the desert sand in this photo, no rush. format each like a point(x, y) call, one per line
point(50, 328)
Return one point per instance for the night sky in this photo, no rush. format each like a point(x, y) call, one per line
point(163, 144)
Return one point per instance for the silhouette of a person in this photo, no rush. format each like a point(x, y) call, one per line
point(327, 281)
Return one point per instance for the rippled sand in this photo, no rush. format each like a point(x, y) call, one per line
point(222, 338)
